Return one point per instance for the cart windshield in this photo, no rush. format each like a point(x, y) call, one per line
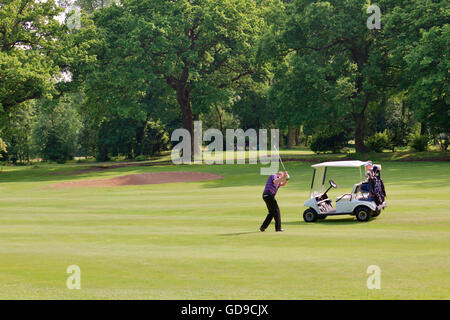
point(317, 185)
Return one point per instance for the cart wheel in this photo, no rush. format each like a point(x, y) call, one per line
point(363, 214)
point(310, 215)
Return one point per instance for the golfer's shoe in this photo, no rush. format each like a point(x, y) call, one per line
point(280, 230)
point(262, 229)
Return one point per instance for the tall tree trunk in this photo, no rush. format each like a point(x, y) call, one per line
point(423, 128)
point(360, 56)
point(219, 115)
point(291, 136)
point(103, 156)
point(184, 100)
point(297, 136)
point(360, 132)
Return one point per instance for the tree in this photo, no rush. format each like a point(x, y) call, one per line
point(117, 136)
point(400, 123)
point(28, 34)
point(57, 129)
point(92, 5)
point(252, 108)
point(18, 131)
point(121, 136)
point(283, 103)
point(393, 115)
point(418, 35)
point(88, 137)
point(339, 58)
point(428, 66)
point(197, 48)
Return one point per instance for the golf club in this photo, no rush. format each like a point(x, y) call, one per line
point(282, 164)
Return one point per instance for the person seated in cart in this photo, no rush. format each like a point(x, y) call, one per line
point(369, 169)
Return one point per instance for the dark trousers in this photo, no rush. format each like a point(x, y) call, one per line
point(274, 212)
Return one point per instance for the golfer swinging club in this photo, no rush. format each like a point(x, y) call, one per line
point(273, 183)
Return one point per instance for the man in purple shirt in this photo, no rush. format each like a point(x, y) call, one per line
point(273, 183)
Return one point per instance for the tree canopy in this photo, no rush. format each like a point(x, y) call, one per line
point(132, 71)
point(29, 33)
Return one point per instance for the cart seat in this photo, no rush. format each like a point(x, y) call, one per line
point(362, 188)
point(365, 188)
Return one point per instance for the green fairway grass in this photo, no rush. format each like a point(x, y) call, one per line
point(200, 240)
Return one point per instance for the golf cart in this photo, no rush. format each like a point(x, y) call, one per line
point(355, 203)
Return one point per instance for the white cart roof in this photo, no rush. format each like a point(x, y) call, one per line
point(342, 164)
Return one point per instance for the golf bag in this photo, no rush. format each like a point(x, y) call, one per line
point(375, 190)
point(380, 186)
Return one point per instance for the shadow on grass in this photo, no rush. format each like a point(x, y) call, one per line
point(340, 222)
point(237, 233)
point(327, 221)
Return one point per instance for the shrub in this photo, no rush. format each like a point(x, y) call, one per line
point(328, 141)
point(2, 148)
point(443, 140)
point(154, 138)
point(419, 143)
point(116, 137)
point(379, 141)
point(102, 153)
point(140, 158)
point(56, 148)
